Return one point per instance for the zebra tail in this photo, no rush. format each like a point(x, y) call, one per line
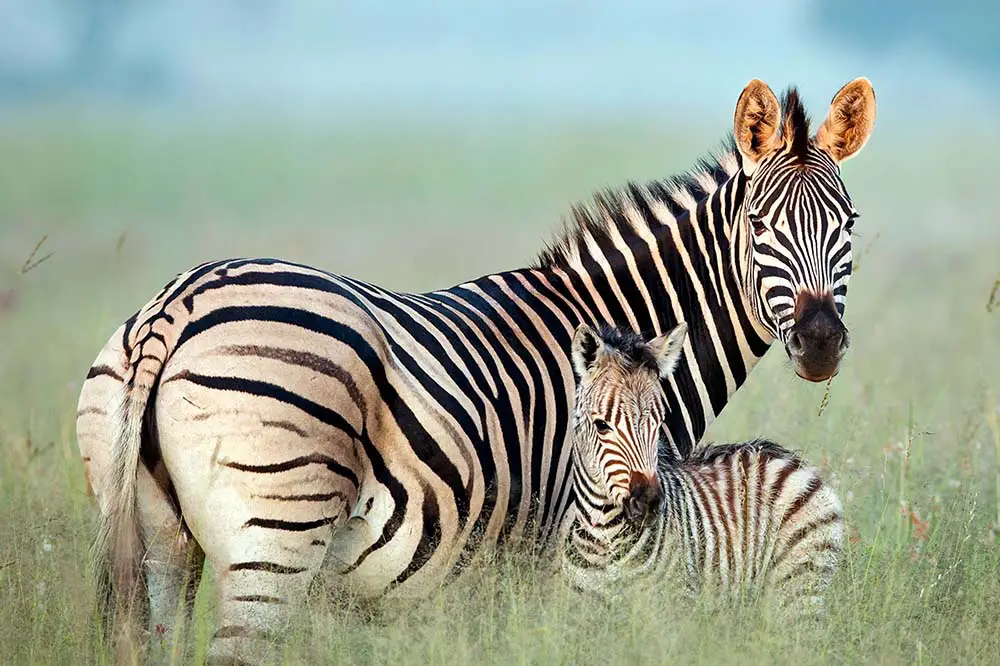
point(119, 549)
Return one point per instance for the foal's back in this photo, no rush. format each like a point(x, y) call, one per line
point(754, 519)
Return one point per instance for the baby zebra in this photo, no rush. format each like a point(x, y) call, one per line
point(739, 522)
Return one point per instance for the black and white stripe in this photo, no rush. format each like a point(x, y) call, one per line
point(280, 419)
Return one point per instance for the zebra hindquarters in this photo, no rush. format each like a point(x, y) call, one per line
point(264, 475)
point(807, 544)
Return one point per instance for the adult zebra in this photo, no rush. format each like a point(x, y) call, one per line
point(275, 417)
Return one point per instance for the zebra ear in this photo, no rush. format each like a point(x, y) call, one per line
point(755, 126)
point(849, 122)
point(584, 350)
point(667, 348)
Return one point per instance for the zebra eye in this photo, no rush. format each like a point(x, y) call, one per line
point(602, 426)
point(849, 224)
point(757, 224)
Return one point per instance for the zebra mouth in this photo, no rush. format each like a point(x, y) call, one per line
point(816, 378)
point(816, 361)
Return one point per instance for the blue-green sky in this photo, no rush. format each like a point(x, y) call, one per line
point(339, 60)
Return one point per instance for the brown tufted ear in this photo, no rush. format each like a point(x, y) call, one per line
point(755, 126)
point(849, 123)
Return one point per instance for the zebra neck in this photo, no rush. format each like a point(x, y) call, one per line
point(654, 266)
point(593, 504)
point(604, 524)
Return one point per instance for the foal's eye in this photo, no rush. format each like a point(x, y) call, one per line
point(757, 224)
point(850, 222)
point(602, 426)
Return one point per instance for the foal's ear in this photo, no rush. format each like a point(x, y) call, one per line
point(667, 348)
point(849, 123)
point(583, 353)
point(755, 126)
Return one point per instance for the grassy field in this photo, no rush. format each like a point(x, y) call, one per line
point(908, 433)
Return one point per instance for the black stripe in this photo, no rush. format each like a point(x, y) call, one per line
point(289, 525)
point(302, 461)
point(255, 598)
point(553, 343)
point(807, 567)
point(315, 497)
point(602, 286)
point(532, 399)
point(273, 391)
point(811, 489)
point(285, 425)
point(103, 370)
point(420, 440)
point(633, 299)
point(153, 335)
point(196, 275)
point(430, 538)
point(801, 533)
point(496, 353)
point(443, 397)
point(269, 567)
point(436, 311)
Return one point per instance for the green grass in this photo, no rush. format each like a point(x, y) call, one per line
point(905, 435)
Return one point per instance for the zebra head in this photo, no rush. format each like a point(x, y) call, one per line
point(792, 231)
point(619, 407)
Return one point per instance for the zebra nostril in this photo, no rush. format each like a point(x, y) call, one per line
point(643, 497)
point(794, 344)
point(845, 341)
point(634, 508)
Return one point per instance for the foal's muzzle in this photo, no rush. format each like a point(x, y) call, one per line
point(644, 496)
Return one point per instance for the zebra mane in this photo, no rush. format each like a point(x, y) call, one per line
point(708, 453)
point(795, 123)
point(630, 347)
point(626, 208)
point(629, 210)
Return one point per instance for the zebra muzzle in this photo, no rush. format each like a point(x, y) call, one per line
point(644, 496)
point(818, 340)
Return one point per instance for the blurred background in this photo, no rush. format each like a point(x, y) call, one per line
point(418, 144)
point(341, 61)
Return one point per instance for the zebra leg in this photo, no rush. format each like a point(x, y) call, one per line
point(800, 592)
point(811, 545)
point(256, 600)
point(172, 566)
point(261, 584)
point(264, 529)
point(263, 576)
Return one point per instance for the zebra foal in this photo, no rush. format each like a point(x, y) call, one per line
point(741, 521)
